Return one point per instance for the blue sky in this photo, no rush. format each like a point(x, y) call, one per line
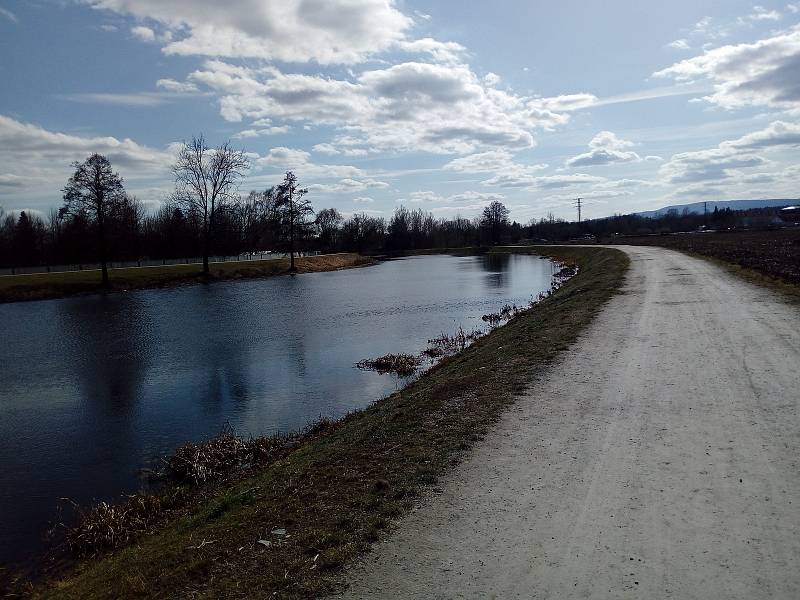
point(440, 105)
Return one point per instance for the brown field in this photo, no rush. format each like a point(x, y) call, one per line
point(774, 253)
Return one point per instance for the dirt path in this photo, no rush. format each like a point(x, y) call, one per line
point(659, 459)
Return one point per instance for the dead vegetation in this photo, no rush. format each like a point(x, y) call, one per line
point(89, 531)
point(214, 458)
point(402, 365)
point(448, 345)
point(405, 365)
point(107, 526)
point(333, 494)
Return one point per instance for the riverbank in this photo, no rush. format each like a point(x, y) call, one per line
point(288, 527)
point(43, 286)
point(656, 459)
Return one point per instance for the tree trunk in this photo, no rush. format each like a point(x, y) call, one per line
point(291, 232)
point(205, 253)
point(104, 269)
point(206, 244)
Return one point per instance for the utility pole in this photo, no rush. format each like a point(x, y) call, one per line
point(705, 213)
point(578, 204)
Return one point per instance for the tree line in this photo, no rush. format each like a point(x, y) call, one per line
point(551, 229)
point(206, 216)
point(100, 222)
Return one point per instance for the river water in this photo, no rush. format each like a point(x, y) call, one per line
point(93, 388)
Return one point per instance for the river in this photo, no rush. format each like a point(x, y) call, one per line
point(93, 388)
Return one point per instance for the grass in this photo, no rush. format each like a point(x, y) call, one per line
point(288, 528)
point(41, 286)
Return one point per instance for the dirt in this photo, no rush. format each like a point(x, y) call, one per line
point(658, 458)
point(774, 253)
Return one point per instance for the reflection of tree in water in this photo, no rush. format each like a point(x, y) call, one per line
point(249, 352)
point(107, 340)
point(497, 267)
point(107, 343)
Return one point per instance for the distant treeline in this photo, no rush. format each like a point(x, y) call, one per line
point(673, 221)
point(100, 222)
point(258, 222)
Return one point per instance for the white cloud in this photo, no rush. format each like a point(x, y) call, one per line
point(726, 162)
point(144, 34)
point(763, 73)
point(43, 158)
point(410, 106)
point(363, 200)
point(9, 180)
point(467, 196)
point(778, 133)
point(566, 102)
point(762, 14)
point(715, 164)
point(491, 79)
point(179, 87)
point(31, 143)
point(253, 133)
point(325, 148)
point(679, 45)
point(489, 162)
point(507, 172)
point(331, 150)
point(4, 12)
point(447, 52)
point(325, 31)
point(562, 181)
point(135, 99)
point(604, 149)
point(350, 179)
point(702, 25)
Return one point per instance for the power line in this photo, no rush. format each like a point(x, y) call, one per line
point(578, 204)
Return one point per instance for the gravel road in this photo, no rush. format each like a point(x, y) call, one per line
point(659, 458)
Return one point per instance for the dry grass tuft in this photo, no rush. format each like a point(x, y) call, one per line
point(403, 365)
point(107, 526)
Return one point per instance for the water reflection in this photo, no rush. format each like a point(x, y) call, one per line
point(93, 388)
point(110, 370)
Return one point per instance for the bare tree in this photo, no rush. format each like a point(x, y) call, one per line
point(94, 191)
point(295, 209)
point(205, 180)
point(495, 220)
point(328, 222)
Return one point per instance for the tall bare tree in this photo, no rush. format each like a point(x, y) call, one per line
point(205, 180)
point(94, 191)
point(495, 221)
point(295, 209)
point(328, 222)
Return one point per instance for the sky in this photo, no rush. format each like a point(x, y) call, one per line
point(440, 105)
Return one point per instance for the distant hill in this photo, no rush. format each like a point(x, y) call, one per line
point(697, 207)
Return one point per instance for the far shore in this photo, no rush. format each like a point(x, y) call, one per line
point(46, 286)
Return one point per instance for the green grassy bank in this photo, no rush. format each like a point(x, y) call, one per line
point(334, 494)
point(41, 286)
